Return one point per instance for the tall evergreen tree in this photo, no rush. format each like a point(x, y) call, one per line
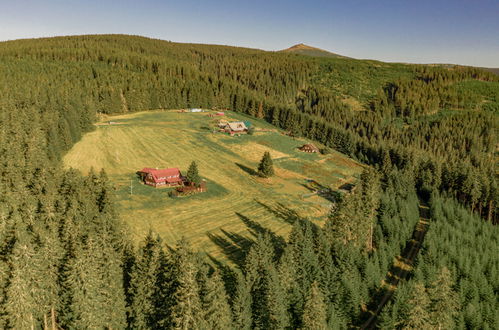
point(147, 287)
point(241, 306)
point(315, 311)
point(96, 284)
point(266, 167)
point(193, 174)
point(418, 316)
point(214, 302)
point(445, 304)
point(23, 295)
point(269, 307)
point(185, 310)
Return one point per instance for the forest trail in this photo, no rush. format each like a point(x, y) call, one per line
point(402, 266)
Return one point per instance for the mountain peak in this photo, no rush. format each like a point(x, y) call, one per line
point(307, 50)
point(301, 46)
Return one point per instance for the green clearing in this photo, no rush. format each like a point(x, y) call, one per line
point(237, 205)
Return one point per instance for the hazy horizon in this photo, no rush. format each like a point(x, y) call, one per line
point(444, 31)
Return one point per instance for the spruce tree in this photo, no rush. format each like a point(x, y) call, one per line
point(214, 302)
point(444, 301)
point(96, 283)
point(51, 254)
point(418, 315)
point(185, 309)
point(22, 309)
point(193, 174)
point(266, 167)
point(147, 285)
point(241, 306)
point(315, 310)
point(269, 307)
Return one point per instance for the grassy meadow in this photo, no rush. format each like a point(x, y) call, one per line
point(237, 205)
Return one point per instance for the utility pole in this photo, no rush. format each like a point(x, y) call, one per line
point(131, 187)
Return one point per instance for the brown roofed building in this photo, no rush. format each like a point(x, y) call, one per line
point(309, 147)
point(236, 127)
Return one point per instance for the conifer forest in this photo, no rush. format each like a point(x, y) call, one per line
point(427, 136)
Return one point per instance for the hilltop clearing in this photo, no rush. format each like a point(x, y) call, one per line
point(237, 204)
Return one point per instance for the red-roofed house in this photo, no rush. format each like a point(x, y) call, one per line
point(160, 178)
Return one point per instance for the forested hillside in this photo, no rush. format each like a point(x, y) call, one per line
point(66, 259)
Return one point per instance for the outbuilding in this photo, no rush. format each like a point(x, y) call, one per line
point(236, 127)
point(309, 147)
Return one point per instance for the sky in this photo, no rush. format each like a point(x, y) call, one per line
point(416, 31)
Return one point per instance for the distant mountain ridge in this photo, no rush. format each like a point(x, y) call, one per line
point(493, 70)
point(303, 49)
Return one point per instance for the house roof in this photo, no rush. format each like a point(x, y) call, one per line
point(237, 126)
point(163, 173)
point(309, 146)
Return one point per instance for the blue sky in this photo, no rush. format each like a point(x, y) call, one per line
point(418, 31)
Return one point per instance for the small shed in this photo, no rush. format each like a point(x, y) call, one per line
point(309, 147)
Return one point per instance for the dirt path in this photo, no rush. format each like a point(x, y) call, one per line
point(402, 265)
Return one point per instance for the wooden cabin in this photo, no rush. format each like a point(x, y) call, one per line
point(235, 127)
point(309, 147)
point(167, 177)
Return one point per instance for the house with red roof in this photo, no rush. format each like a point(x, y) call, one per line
point(161, 177)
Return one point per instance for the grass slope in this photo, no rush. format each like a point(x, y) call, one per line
point(237, 205)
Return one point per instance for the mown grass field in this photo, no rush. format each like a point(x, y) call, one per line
point(237, 205)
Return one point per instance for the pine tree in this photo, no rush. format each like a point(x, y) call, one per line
point(315, 311)
point(269, 307)
point(214, 302)
point(185, 310)
point(96, 283)
point(419, 304)
point(51, 254)
point(241, 306)
point(444, 301)
point(370, 190)
point(147, 286)
point(193, 174)
point(266, 167)
point(23, 296)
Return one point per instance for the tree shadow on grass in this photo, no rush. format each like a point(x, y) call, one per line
point(246, 169)
point(281, 211)
point(257, 229)
point(234, 246)
point(323, 191)
point(229, 277)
